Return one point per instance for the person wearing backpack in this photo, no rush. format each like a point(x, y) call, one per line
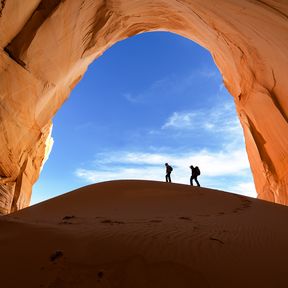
point(169, 169)
point(195, 173)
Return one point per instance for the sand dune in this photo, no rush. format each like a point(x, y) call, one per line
point(145, 234)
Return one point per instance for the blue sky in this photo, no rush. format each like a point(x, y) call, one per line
point(153, 98)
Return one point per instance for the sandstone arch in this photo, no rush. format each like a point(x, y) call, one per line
point(46, 46)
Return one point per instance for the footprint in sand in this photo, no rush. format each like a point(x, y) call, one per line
point(217, 240)
point(100, 275)
point(185, 218)
point(56, 255)
point(111, 222)
point(65, 219)
point(221, 213)
point(245, 204)
point(155, 221)
point(68, 217)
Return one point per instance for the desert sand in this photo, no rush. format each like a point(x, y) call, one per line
point(138, 234)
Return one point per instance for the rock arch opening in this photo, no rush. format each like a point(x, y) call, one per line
point(149, 99)
point(47, 48)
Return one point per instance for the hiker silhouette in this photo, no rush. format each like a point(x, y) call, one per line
point(195, 172)
point(169, 169)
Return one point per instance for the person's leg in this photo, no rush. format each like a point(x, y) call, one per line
point(191, 181)
point(169, 177)
point(166, 177)
point(197, 181)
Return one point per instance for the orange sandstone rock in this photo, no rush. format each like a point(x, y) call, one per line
point(47, 46)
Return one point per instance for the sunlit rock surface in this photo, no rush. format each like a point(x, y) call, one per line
point(47, 46)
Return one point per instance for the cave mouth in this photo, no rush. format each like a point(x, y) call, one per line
point(47, 48)
point(149, 99)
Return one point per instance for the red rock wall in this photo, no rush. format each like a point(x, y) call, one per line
point(46, 47)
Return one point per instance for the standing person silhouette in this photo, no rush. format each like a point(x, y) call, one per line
point(169, 169)
point(195, 172)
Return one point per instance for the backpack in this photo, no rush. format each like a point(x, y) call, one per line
point(197, 171)
point(171, 169)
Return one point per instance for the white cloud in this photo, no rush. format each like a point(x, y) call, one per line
point(99, 175)
point(150, 166)
point(219, 119)
point(132, 98)
point(214, 164)
point(181, 120)
point(246, 188)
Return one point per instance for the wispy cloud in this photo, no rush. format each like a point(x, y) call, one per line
point(214, 164)
point(209, 73)
point(219, 119)
point(133, 98)
point(150, 166)
point(245, 188)
point(174, 85)
point(182, 120)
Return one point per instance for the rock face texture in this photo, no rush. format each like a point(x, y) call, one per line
point(47, 45)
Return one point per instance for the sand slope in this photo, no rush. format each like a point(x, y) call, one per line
point(145, 234)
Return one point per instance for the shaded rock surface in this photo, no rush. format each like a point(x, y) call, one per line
point(46, 47)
